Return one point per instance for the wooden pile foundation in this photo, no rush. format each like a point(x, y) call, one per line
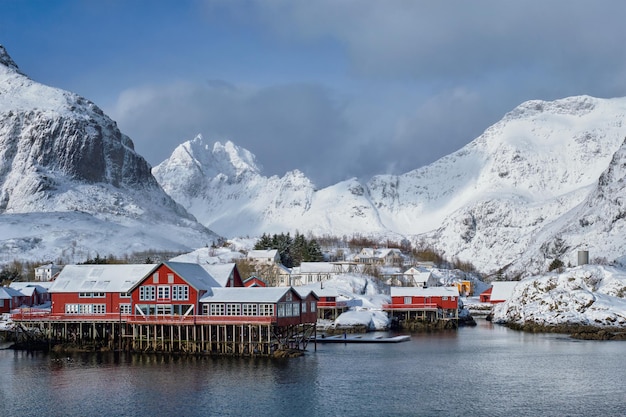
point(232, 339)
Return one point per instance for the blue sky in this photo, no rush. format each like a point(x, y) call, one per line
point(335, 88)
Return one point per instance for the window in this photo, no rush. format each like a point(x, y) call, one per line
point(444, 298)
point(295, 309)
point(407, 300)
point(205, 309)
point(217, 309)
point(84, 294)
point(163, 310)
point(180, 292)
point(163, 292)
point(233, 309)
point(126, 309)
point(99, 308)
point(313, 305)
point(266, 309)
point(155, 278)
point(281, 310)
point(124, 295)
point(147, 292)
point(249, 309)
point(304, 307)
point(98, 295)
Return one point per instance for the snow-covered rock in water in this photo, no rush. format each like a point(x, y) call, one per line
point(370, 319)
point(586, 295)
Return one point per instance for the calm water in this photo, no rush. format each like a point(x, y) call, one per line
point(487, 371)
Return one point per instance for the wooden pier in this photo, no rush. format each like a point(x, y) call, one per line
point(183, 335)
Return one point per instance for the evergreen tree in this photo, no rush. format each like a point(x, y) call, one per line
point(264, 243)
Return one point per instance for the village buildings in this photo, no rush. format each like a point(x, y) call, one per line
point(174, 306)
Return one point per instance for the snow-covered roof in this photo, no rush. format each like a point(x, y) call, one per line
point(220, 272)
point(502, 290)
point(316, 267)
point(263, 254)
point(194, 274)
point(27, 288)
point(424, 292)
point(6, 293)
point(419, 276)
point(250, 294)
point(100, 278)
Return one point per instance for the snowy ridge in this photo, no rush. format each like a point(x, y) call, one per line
point(61, 156)
point(503, 193)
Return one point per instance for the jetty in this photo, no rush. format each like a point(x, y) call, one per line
point(361, 338)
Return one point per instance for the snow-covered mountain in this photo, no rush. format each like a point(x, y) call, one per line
point(71, 181)
point(498, 202)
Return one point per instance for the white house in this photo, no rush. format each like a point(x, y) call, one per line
point(47, 272)
point(264, 256)
point(418, 277)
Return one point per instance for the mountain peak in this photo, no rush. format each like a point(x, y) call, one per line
point(6, 60)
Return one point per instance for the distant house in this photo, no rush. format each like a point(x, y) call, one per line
point(254, 281)
point(227, 275)
point(36, 293)
point(465, 287)
point(499, 292)
point(47, 272)
point(264, 256)
point(10, 298)
point(418, 277)
point(485, 296)
point(310, 272)
point(386, 256)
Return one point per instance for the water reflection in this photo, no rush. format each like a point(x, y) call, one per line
point(486, 370)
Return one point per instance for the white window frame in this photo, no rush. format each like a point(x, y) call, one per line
point(163, 292)
point(147, 293)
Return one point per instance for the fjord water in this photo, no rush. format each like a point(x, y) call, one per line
point(488, 370)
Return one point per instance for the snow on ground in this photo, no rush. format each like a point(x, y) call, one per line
point(370, 296)
point(587, 295)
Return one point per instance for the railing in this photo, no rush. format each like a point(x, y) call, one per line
point(420, 306)
point(332, 304)
point(139, 319)
point(45, 315)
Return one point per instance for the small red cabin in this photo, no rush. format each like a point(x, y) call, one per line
point(430, 303)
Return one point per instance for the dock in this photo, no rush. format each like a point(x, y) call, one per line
point(352, 338)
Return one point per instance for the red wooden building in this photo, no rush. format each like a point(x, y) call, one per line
point(173, 307)
point(171, 289)
point(423, 304)
point(96, 290)
point(254, 281)
point(10, 299)
point(282, 306)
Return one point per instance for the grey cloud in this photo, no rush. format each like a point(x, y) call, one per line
point(286, 127)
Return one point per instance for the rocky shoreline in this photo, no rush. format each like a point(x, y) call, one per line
point(576, 331)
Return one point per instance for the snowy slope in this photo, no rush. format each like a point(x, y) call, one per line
point(70, 178)
point(587, 295)
point(490, 203)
